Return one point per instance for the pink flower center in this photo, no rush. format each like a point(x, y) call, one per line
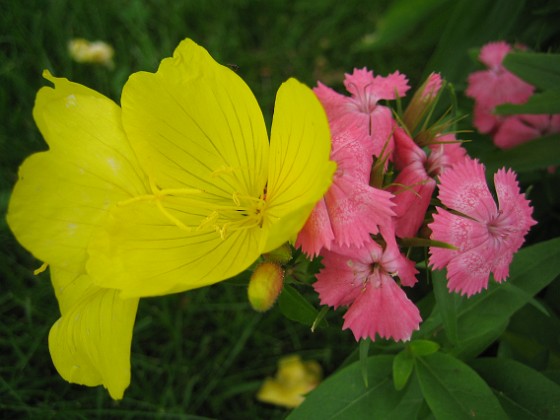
point(364, 100)
point(500, 227)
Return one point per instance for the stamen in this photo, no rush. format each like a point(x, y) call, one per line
point(222, 170)
point(179, 191)
point(172, 218)
point(145, 197)
point(210, 219)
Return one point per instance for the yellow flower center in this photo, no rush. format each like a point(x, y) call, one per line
point(242, 212)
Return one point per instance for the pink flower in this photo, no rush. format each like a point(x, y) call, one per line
point(413, 187)
point(445, 152)
point(351, 209)
point(486, 236)
point(364, 279)
point(517, 129)
point(497, 86)
point(415, 183)
point(376, 121)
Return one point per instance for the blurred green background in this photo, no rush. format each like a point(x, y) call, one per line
point(206, 352)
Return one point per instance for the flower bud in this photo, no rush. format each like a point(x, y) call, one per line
point(265, 285)
point(281, 255)
point(422, 102)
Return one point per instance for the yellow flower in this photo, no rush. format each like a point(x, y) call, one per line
point(220, 194)
point(293, 380)
point(178, 189)
point(97, 52)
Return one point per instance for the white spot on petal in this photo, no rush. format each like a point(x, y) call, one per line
point(71, 101)
point(113, 164)
point(71, 228)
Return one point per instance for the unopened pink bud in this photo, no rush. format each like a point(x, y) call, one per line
point(265, 285)
point(422, 102)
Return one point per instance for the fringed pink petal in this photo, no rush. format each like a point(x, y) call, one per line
point(469, 271)
point(461, 232)
point(358, 82)
point(480, 87)
point(493, 53)
point(497, 86)
point(510, 89)
point(513, 131)
point(381, 126)
point(444, 155)
point(393, 261)
point(406, 151)
point(368, 90)
point(333, 102)
point(484, 120)
point(342, 278)
point(515, 217)
point(554, 126)
point(317, 233)
point(382, 309)
point(502, 262)
point(413, 191)
point(352, 148)
point(356, 210)
point(463, 188)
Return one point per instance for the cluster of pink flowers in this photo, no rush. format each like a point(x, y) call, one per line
point(496, 86)
point(388, 171)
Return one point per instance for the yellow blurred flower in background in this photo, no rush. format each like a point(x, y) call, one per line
point(293, 380)
point(96, 52)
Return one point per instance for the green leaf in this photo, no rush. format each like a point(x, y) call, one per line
point(524, 393)
point(539, 69)
point(403, 363)
point(319, 319)
point(400, 19)
point(423, 347)
point(295, 307)
point(447, 303)
point(482, 318)
point(532, 338)
point(536, 154)
point(454, 391)
point(471, 24)
point(547, 102)
point(343, 395)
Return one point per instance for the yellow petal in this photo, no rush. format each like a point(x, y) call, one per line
point(300, 171)
point(143, 253)
point(90, 342)
point(195, 123)
point(63, 194)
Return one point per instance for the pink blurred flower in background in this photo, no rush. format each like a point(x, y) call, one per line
point(486, 236)
point(496, 86)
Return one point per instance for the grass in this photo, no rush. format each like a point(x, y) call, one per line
point(205, 352)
